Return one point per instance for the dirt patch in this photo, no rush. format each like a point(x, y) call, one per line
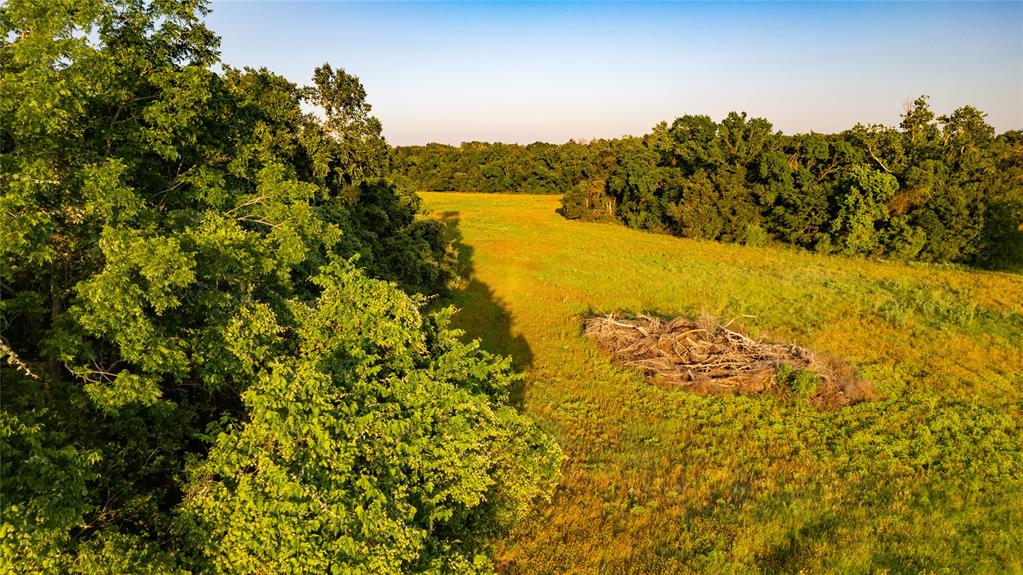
point(707, 357)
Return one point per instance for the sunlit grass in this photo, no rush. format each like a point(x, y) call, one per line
point(662, 481)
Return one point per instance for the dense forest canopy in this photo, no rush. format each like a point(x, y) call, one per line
point(936, 188)
point(216, 352)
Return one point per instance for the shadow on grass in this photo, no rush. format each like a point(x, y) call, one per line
point(794, 550)
point(481, 314)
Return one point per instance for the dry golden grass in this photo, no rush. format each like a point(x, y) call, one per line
point(659, 480)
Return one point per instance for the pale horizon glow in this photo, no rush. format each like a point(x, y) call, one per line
point(525, 72)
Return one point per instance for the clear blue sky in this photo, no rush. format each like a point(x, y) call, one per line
point(524, 72)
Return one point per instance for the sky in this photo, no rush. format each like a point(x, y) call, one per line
point(451, 72)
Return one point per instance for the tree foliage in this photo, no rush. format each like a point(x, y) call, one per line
point(538, 168)
point(937, 189)
point(217, 357)
point(956, 195)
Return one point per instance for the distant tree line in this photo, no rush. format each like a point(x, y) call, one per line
point(936, 189)
point(536, 168)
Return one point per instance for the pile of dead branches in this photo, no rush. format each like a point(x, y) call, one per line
point(707, 357)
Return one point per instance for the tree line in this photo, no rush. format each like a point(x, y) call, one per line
point(537, 168)
point(217, 355)
point(935, 188)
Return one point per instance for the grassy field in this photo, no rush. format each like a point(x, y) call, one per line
point(927, 479)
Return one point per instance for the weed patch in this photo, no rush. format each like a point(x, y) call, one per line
point(937, 305)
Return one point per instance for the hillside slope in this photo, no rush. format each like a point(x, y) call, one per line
point(660, 480)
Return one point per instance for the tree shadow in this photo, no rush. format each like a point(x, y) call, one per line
point(481, 314)
point(788, 555)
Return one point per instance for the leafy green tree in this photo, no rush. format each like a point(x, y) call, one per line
point(538, 168)
point(695, 143)
point(861, 207)
point(1002, 237)
point(635, 185)
point(357, 149)
point(589, 200)
point(965, 134)
point(918, 123)
point(207, 318)
point(695, 214)
point(741, 140)
point(385, 445)
point(940, 189)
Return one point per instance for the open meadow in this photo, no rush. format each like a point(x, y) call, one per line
point(928, 478)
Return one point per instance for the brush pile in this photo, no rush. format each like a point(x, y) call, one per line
point(707, 357)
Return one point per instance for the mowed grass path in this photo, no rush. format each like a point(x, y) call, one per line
point(929, 478)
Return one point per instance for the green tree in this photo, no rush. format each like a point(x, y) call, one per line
point(949, 191)
point(384, 445)
point(918, 123)
point(862, 207)
point(197, 326)
point(354, 141)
